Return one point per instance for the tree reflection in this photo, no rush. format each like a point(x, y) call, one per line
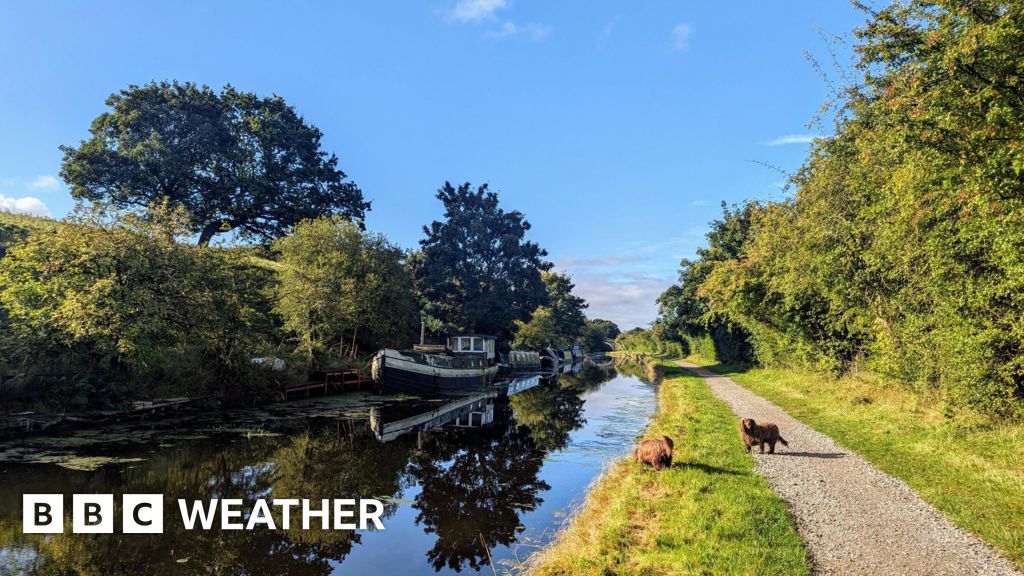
point(550, 413)
point(476, 483)
point(320, 463)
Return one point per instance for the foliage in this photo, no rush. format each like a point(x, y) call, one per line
point(685, 315)
point(649, 342)
point(233, 160)
point(598, 333)
point(337, 282)
point(559, 323)
point(903, 247)
point(100, 310)
point(476, 269)
point(566, 308)
point(15, 228)
point(540, 332)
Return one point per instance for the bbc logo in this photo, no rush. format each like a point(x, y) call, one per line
point(92, 513)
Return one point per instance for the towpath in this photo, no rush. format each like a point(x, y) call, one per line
point(855, 518)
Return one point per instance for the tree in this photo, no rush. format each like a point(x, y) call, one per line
point(540, 332)
point(477, 270)
point(566, 308)
point(233, 160)
point(598, 333)
point(611, 329)
point(902, 248)
point(103, 309)
point(683, 313)
point(337, 280)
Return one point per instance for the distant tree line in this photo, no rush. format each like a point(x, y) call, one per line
point(132, 296)
point(902, 250)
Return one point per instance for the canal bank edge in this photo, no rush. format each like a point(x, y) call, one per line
point(709, 513)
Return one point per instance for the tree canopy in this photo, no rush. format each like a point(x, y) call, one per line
point(476, 268)
point(566, 308)
point(598, 334)
point(90, 308)
point(903, 248)
point(336, 281)
point(683, 313)
point(233, 160)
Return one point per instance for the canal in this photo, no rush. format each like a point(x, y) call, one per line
point(457, 500)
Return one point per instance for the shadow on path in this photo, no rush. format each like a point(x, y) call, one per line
point(708, 469)
point(811, 454)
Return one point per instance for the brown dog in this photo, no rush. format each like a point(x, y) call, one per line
point(754, 433)
point(656, 452)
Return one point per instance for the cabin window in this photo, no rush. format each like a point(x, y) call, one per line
point(478, 344)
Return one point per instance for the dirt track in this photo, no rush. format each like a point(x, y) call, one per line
point(854, 518)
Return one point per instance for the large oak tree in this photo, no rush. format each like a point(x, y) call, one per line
point(233, 160)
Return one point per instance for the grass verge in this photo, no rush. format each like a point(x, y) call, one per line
point(708, 514)
point(968, 467)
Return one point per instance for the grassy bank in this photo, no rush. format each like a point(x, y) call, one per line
point(968, 466)
point(708, 514)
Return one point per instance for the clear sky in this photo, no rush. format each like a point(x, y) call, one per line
point(616, 127)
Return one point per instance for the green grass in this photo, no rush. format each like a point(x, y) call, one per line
point(969, 467)
point(708, 514)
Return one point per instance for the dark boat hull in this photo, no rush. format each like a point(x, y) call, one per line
point(397, 375)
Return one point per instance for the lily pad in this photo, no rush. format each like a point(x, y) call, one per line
point(82, 463)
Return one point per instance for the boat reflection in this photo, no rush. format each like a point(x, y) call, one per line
point(391, 421)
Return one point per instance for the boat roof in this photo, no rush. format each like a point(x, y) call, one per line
point(472, 336)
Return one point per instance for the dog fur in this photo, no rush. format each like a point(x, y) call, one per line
point(656, 452)
point(761, 434)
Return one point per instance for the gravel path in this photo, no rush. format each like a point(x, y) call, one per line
point(854, 518)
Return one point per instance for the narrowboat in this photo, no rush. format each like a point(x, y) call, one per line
point(521, 361)
point(466, 365)
point(553, 358)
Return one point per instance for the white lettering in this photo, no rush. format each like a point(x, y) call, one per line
point(365, 514)
point(260, 515)
point(285, 504)
point(339, 514)
point(188, 518)
point(227, 512)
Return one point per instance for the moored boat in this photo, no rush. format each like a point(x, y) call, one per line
point(522, 360)
point(467, 365)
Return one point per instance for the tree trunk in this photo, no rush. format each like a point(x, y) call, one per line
point(214, 228)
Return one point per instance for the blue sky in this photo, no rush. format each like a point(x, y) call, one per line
point(617, 128)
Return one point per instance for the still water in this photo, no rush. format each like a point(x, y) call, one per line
point(456, 499)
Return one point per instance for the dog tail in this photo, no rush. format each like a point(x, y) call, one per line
point(783, 440)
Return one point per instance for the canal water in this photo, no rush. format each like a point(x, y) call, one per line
point(456, 499)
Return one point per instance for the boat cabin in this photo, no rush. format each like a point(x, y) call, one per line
point(475, 344)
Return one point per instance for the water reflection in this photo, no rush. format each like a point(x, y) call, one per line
point(467, 490)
